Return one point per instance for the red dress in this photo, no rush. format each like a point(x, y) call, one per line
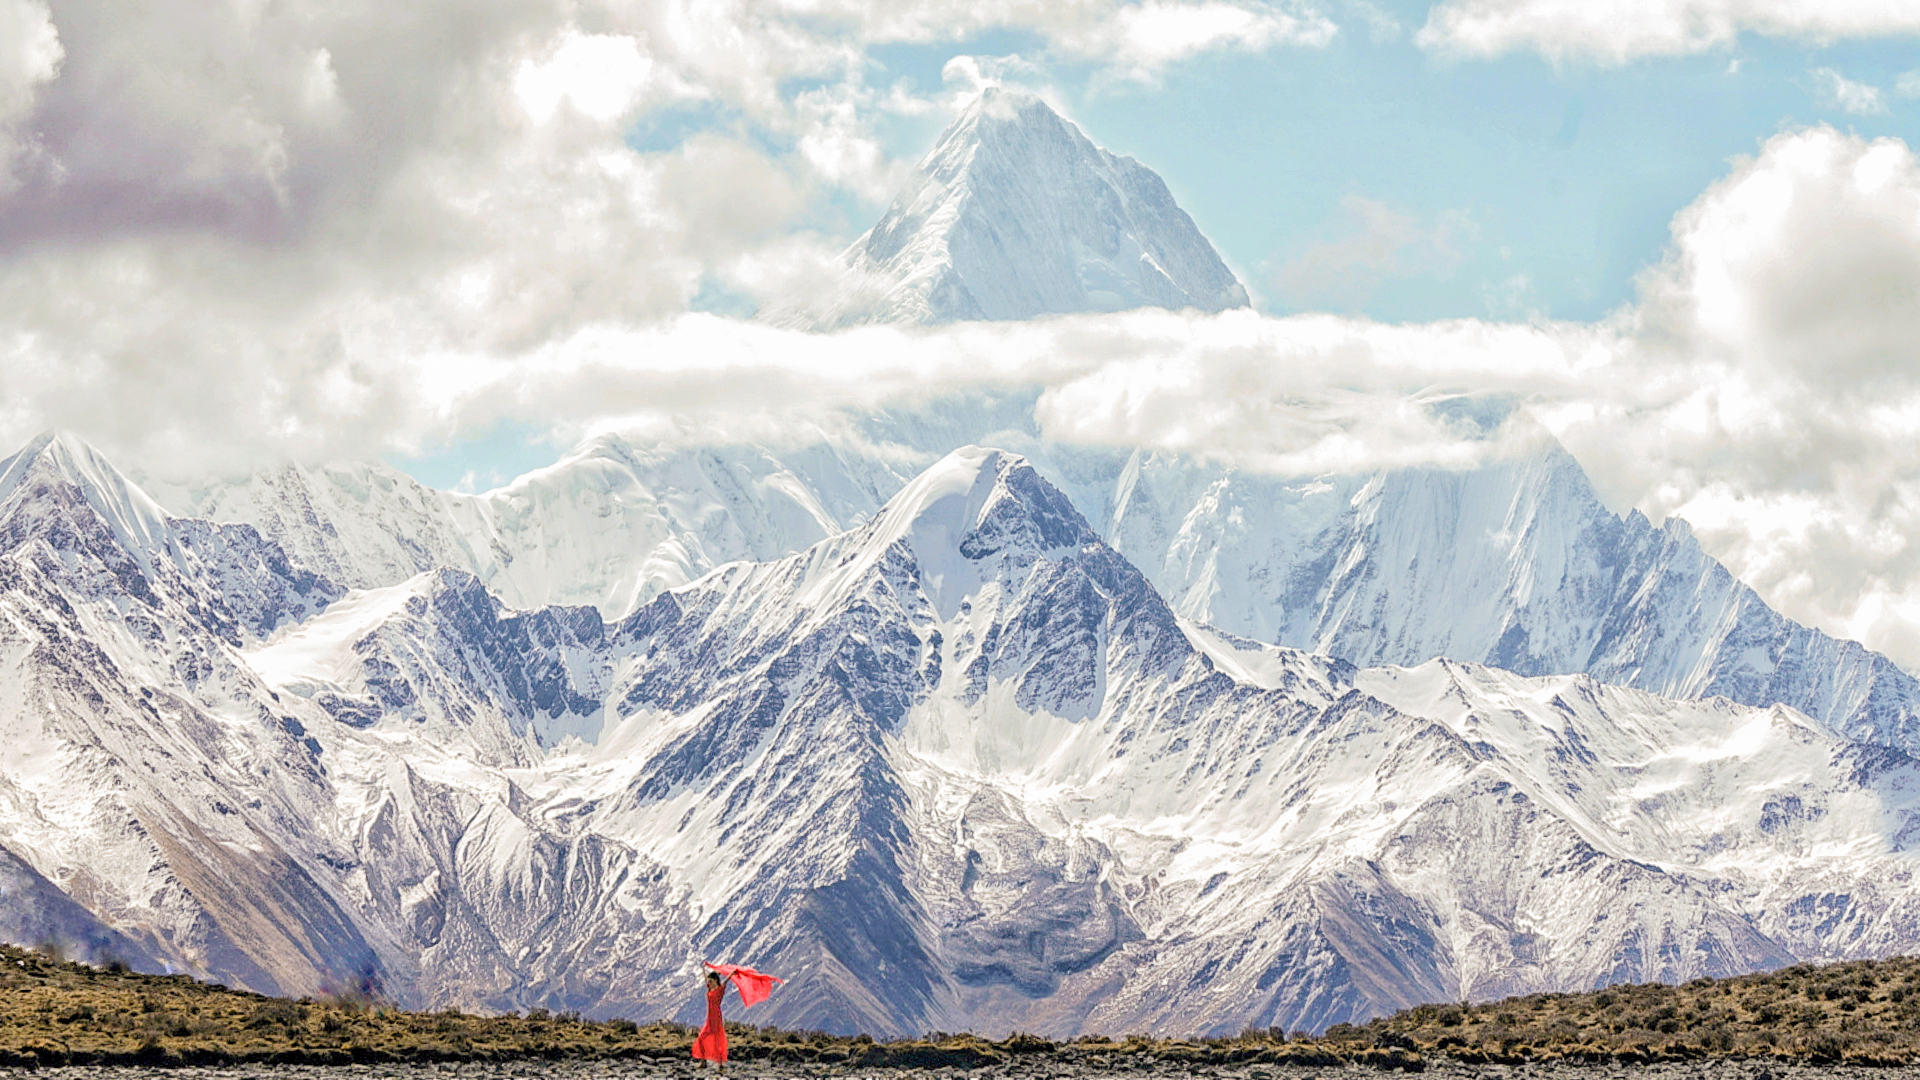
point(712, 1043)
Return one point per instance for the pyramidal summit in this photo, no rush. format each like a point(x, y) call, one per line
point(1014, 214)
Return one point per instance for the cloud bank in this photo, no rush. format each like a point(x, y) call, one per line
point(1619, 31)
point(237, 232)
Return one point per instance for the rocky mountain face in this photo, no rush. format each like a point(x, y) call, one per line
point(1013, 214)
point(140, 772)
point(959, 766)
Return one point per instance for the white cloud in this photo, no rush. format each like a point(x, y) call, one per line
point(1512, 298)
point(1306, 394)
point(838, 141)
point(30, 54)
point(1140, 40)
point(1382, 26)
point(1839, 92)
point(245, 253)
point(1617, 31)
point(1312, 395)
point(969, 75)
point(1133, 39)
point(1778, 348)
point(1908, 85)
point(1802, 263)
point(602, 76)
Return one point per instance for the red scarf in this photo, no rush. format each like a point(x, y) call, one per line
point(754, 985)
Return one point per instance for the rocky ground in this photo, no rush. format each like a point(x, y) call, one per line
point(1028, 1069)
point(58, 1017)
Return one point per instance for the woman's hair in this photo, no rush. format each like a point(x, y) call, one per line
point(713, 976)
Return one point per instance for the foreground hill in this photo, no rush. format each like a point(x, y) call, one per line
point(58, 1013)
point(1866, 1013)
point(1863, 1012)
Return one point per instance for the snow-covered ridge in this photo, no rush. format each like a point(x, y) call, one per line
point(1516, 563)
point(610, 524)
point(316, 654)
point(959, 766)
point(138, 523)
point(1015, 213)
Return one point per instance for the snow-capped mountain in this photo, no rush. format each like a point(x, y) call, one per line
point(1516, 563)
point(144, 771)
point(960, 766)
point(1050, 738)
point(1015, 213)
point(361, 524)
point(610, 524)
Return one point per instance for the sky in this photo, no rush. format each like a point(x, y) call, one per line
point(458, 235)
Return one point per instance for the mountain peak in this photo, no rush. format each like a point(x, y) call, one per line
point(60, 457)
point(1015, 213)
point(970, 506)
point(61, 451)
point(997, 113)
point(977, 496)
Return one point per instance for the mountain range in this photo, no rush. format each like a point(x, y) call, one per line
point(1516, 563)
point(960, 765)
point(953, 726)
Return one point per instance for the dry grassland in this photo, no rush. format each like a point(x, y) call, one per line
point(57, 1013)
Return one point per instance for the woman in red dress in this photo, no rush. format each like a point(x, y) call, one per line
point(712, 1043)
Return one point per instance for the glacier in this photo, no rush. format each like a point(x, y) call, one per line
point(959, 765)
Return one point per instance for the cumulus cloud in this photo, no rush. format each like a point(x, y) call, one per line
point(1802, 264)
point(603, 76)
point(30, 54)
point(1778, 344)
point(969, 75)
point(1839, 92)
point(1618, 31)
point(1134, 39)
point(1141, 40)
point(246, 222)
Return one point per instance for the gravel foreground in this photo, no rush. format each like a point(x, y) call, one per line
point(1022, 1070)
